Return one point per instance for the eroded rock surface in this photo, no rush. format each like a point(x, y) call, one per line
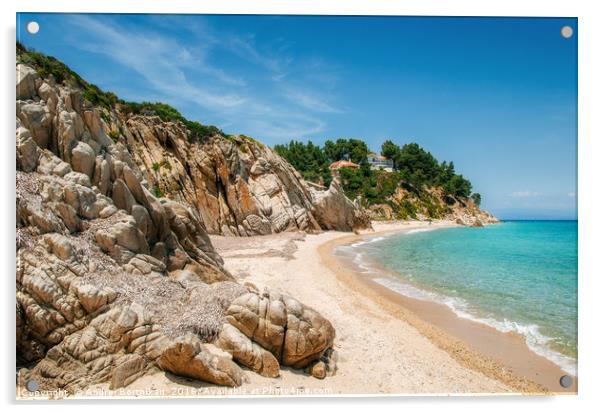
point(115, 280)
point(189, 357)
point(337, 212)
point(248, 352)
point(236, 185)
point(293, 332)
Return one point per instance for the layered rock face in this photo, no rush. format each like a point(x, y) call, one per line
point(114, 281)
point(236, 185)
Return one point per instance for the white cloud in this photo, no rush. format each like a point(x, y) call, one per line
point(310, 101)
point(246, 49)
point(167, 65)
point(524, 194)
point(152, 56)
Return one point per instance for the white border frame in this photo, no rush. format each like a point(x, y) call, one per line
point(589, 173)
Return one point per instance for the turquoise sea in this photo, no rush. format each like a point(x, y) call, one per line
point(516, 276)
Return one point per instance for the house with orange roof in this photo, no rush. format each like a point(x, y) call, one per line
point(335, 166)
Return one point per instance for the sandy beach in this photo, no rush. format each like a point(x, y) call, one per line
point(505, 357)
point(386, 343)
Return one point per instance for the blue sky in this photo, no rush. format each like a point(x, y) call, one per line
point(495, 95)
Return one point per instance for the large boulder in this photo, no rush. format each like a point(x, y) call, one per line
point(27, 151)
point(83, 158)
point(261, 318)
point(294, 333)
point(188, 357)
point(122, 240)
point(307, 336)
point(334, 211)
point(26, 82)
point(247, 352)
point(37, 118)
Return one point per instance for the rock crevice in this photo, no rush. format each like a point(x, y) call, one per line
point(115, 279)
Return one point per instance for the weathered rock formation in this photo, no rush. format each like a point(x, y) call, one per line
point(235, 184)
point(381, 212)
point(337, 212)
point(432, 203)
point(114, 281)
point(297, 335)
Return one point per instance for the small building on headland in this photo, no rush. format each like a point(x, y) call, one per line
point(379, 162)
point(335, 166)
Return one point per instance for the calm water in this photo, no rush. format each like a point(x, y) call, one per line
point(516, 276)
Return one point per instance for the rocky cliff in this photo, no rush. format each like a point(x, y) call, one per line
point(431, 203)
point(235, 184)
point(116, 275)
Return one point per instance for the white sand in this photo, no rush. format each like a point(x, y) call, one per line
point(378, 353)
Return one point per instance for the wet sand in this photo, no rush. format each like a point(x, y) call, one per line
point(503, 356)
point(387, 344)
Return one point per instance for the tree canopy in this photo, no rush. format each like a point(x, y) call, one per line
point(420, 168)
point(415, 168)
point(309, 159)
point(354, 150)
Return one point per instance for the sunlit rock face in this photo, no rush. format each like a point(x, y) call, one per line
point(116, 274)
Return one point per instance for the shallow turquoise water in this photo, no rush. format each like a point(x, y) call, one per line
point(518, 275)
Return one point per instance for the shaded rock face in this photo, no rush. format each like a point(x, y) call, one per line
point(112, 281)
point(236, 185)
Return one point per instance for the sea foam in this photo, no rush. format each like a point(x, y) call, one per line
point(536, 341)
point(364, 255)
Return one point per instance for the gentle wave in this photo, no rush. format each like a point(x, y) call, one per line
point(367, 241)
point(417, 230)
point(536, 341)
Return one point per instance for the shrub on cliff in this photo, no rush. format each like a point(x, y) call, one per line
point(48, 65)
point(167, 113)
point(458, 186)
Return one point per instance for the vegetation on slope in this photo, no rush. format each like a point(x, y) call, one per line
point(311, 162)
point(417, 172)
point(422, 179)
point(48, 65)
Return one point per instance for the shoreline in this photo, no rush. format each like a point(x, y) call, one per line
point(383, 347)
point(504, 356)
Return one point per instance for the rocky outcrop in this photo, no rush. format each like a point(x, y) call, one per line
point(294, 333)
point(189, 357)
point(336, 212)
point(381, 212)
point(431, 203)
point(114, 280)
point(236, 185)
